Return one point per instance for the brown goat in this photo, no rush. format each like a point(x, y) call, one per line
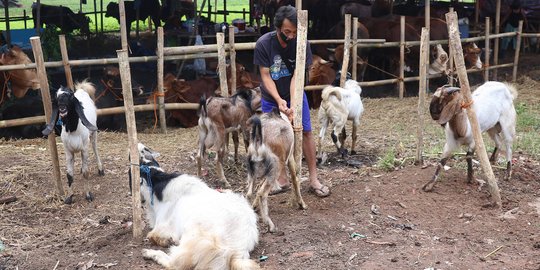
point(270, 150)
point(220, 115)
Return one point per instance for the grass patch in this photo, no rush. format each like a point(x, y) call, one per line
point(388, 161)
point(527, 129)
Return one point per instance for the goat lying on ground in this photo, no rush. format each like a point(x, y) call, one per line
point(78, 114)
point(209, 229)
point(339, 105)
point(270, 149)
point(220, 115)
point(494, 108)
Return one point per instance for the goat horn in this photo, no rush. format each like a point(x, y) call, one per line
point(331, 49)
point(450, 90)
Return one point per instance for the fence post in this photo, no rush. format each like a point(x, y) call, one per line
point(222, 65)
point(488, 53)
point(424, 59)
point(65, 61)
point(451, 58)
point(453, 31)
point(161, 95)
point(354, 69)
point(496, 48)
point(47, 106)
point(346, 50)
point(299, 84)
point(125, 75)
point(518, 47)
point(232, 56)
point(402, 57)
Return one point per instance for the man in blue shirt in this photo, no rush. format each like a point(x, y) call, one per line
point(275, 54)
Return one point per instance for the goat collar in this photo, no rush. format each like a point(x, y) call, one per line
point(145, 169)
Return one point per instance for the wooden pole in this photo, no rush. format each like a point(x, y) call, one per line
point(346, 51)
point(232, 55)
point(476, 14)
point(47, 106)
point(123, 33)
point(6, 12)
point(402, 57)
point(65, 60)
point(354, 70)
point(497, 27)
point(299, 77)
point(487, 54)
point(161, 95)
point(518, 47)
point(451, 60)
point(298, 4)
point(38, 20)
point(427, 22)
point(125, 75)
point(222, 65)
point(424, 60)
point(453, 30)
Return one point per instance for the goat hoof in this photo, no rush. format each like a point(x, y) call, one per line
point(89, 196)
point(343, 152)
point(68, 200)
point(353, 152)
point(428, 187)
point(101, 172)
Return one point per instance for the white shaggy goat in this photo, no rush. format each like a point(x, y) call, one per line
point(270, 150)
point(494, 108)
point(208, 229)
point(339, 105)
point(78, 114)
point(220, 115)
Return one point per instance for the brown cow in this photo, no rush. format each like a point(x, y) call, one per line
point(244, 79)
point(320, 73)
point(180, 91)
point(15, 83)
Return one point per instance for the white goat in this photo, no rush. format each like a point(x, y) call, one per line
point(339, 105)
point(270, 150)
point(78, 114)
point(208, 229)
point(494, 108)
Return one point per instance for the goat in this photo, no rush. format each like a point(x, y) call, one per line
point(270, 150)
point(220, 115)
point(78, 114)
point(494, 108)
point(339, 105)
point(208, 229)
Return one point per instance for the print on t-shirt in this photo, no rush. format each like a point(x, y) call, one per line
point(278, 69)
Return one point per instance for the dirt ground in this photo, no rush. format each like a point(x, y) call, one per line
point(374, 219)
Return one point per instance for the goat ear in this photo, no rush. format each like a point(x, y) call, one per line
point(80, 111)
point(52, 123)
point(450, 109)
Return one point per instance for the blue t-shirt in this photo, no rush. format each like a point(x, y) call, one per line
point(268, 53)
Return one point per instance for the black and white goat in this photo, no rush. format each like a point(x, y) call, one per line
point(78, 114)
point(494, 108)
point(270, 150)
point(339, 105)
point(207, 229)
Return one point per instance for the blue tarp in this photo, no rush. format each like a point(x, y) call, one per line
point(21, 37)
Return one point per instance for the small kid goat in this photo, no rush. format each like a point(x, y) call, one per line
point(78, 114)
point(208, 229)
point(270, 149)
point(494, 108)
point(339, 105)
point(221, 115)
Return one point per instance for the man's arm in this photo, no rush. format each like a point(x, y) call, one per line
point(270, 87)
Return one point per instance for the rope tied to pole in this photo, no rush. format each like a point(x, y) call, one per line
point(108, 89)
point(156, 95)
point(466, 105)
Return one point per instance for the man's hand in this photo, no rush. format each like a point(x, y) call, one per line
point(289, 112)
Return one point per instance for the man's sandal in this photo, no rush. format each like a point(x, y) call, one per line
point(322, 192)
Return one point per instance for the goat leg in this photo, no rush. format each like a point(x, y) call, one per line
point(93, 136)
point(236, 142)
point(69, 164)
point(219, 167)
point(354, 136)
point(340, 149)
point(297, 199)
point(429, 185)
point(494, 155)
point(262, 196)
point(470, 173)
point(87, 186)
point(508, 173)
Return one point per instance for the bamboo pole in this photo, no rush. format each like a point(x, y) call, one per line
point(47, 107)
point(346, 50)
point(453, 31)
point(354, 70)
point(161, 95)
point(497, 27)
point(123, 33)
point(424, 60)
point(488, 54)
point(125, 75)
point(65, 60)
point(298, 4)
point(518, 47)
point(232, 55)
point(451, 59)
point(402, 57)
point(222, 65)
point(299, 77)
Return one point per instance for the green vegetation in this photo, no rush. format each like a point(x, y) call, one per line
point(388, 161)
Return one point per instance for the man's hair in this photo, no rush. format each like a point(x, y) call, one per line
point(285, 12)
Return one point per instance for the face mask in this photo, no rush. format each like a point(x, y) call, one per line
point(283, 37)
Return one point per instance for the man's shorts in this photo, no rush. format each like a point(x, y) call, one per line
point(267, 106)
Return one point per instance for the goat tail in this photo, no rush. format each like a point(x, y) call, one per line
point(513, 90)
point(88, 87)
point(202, 106)
point(203, 250)
point(331, 91)
point(256, 132)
